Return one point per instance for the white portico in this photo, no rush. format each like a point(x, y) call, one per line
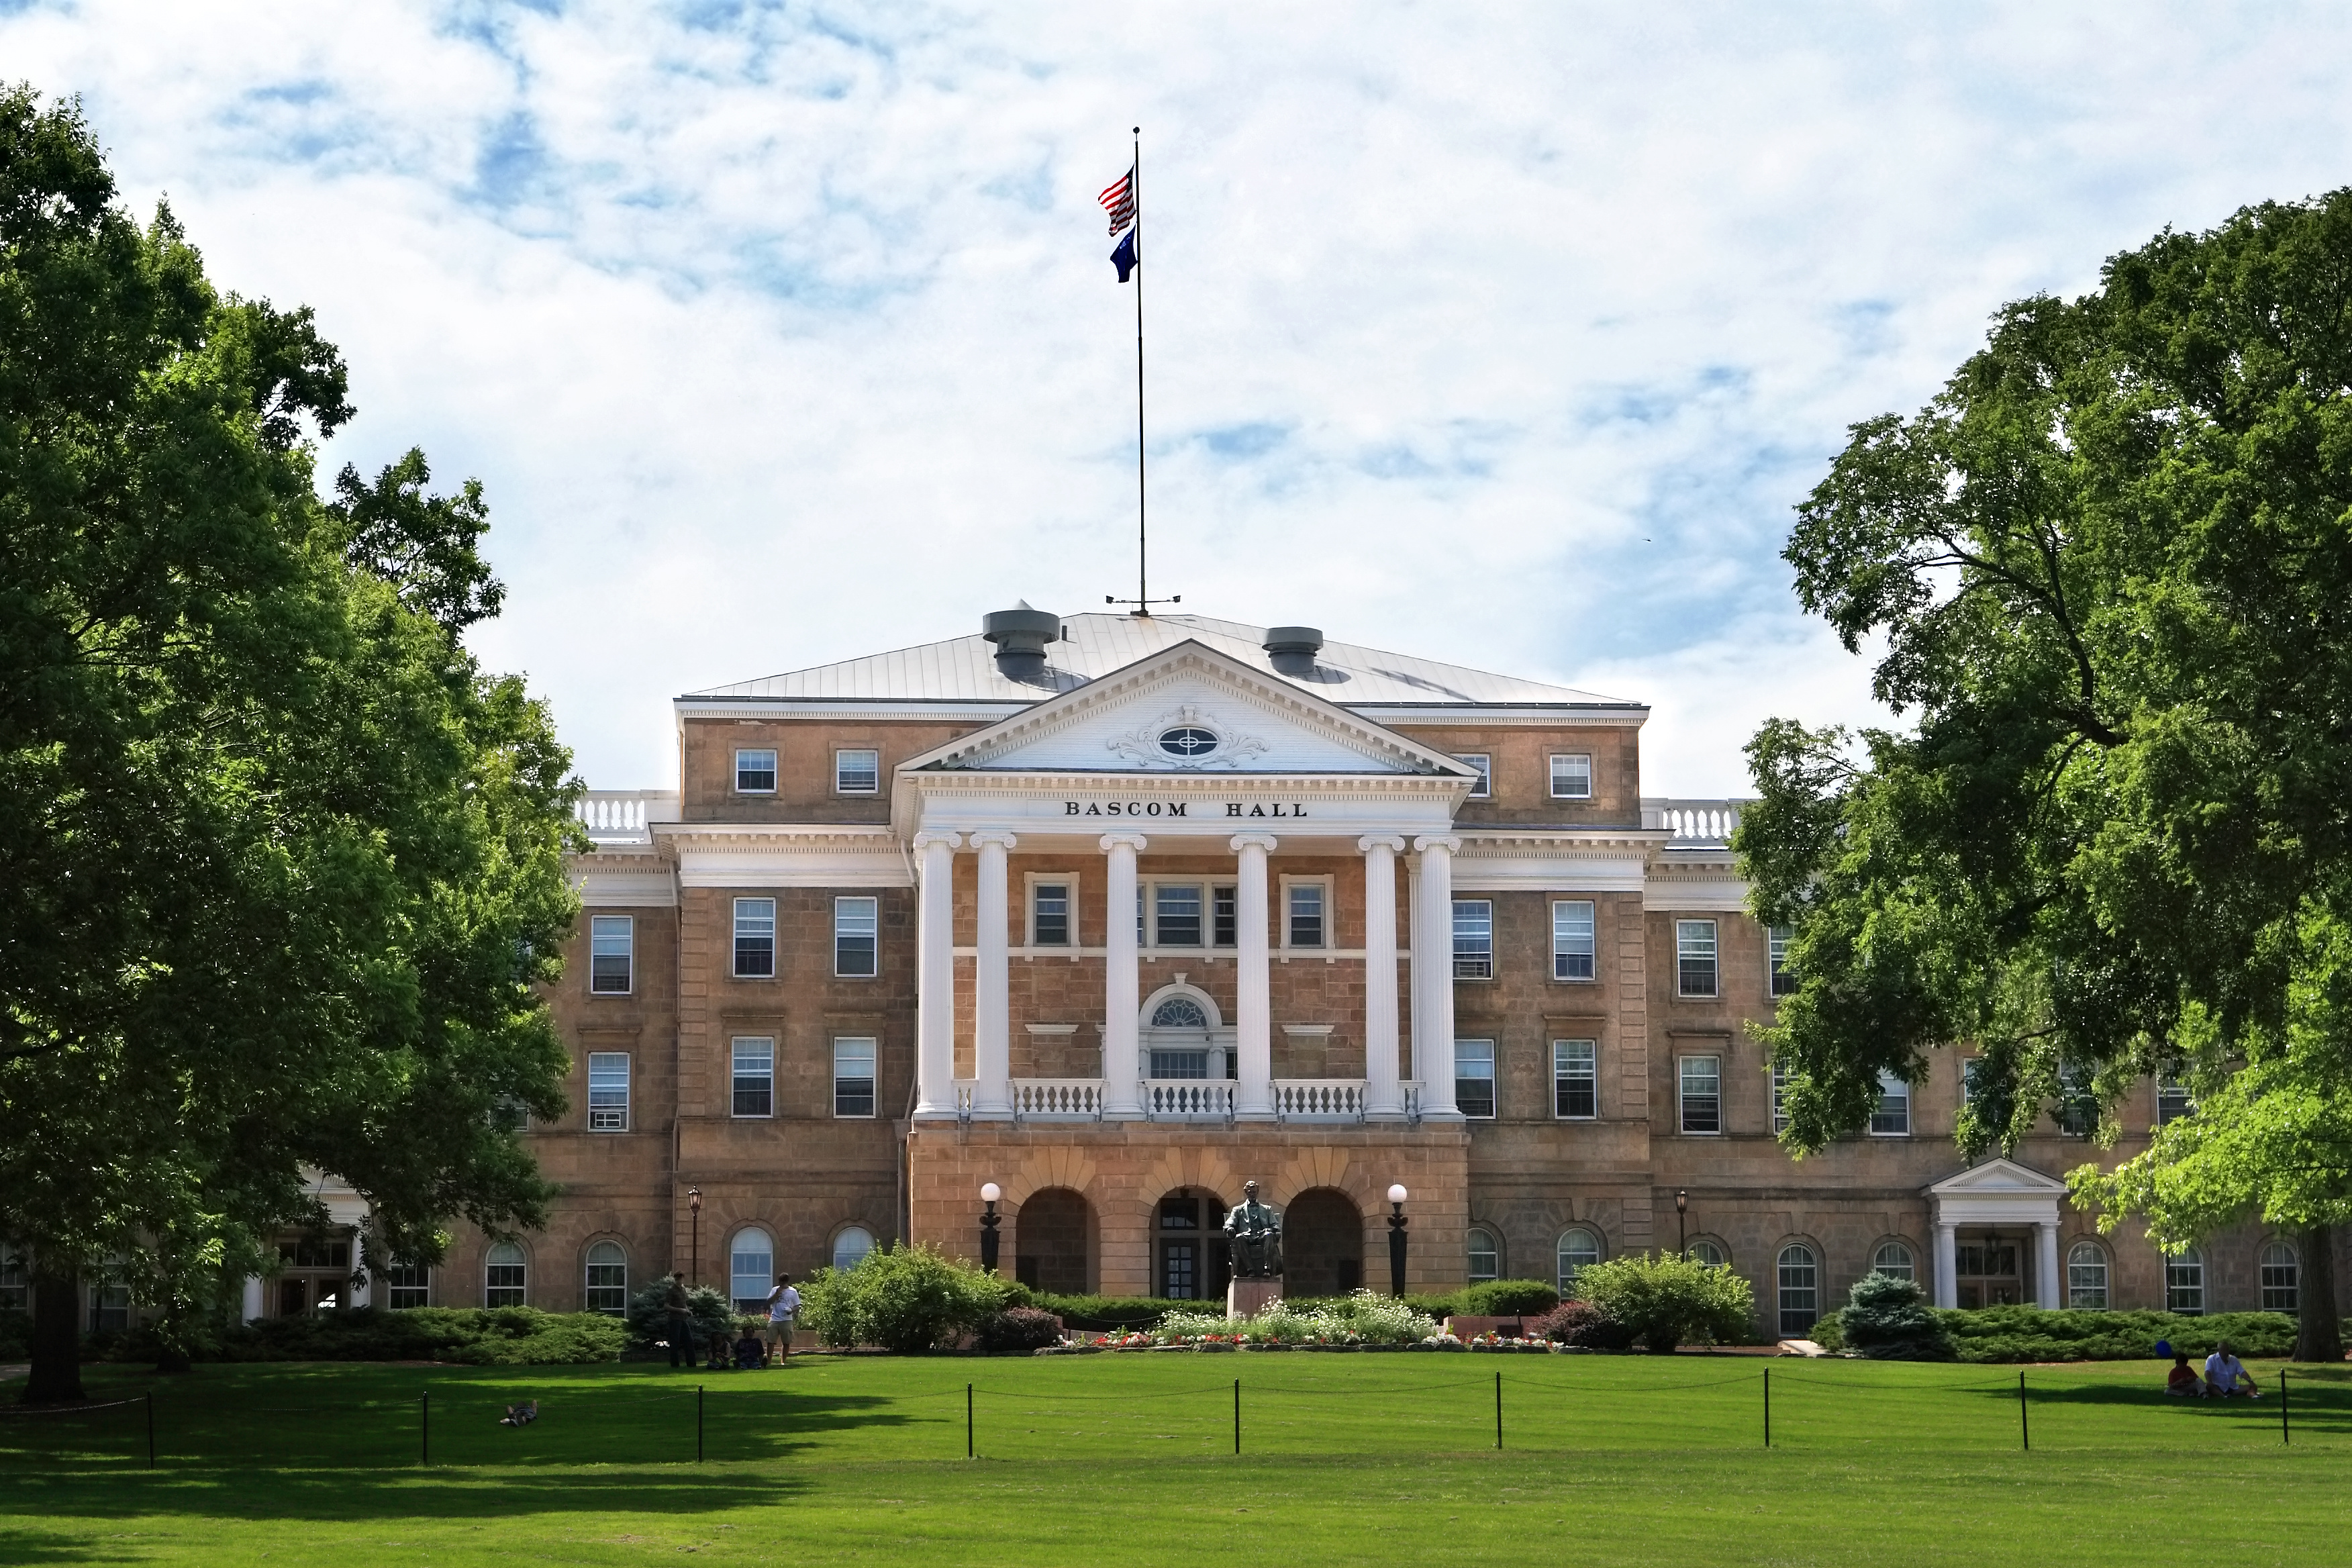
point(1972, 1210)
point(1191, 756)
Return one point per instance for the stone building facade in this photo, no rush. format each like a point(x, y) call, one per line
point(1116, 912)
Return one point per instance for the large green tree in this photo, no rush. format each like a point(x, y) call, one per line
point(2107, 575)
point(283, 866)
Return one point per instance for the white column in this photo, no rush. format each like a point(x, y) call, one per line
point(935, 976)
point(1383, 1091)
point(1432, 967)
point(1121, 1068)
point(1252, 986)
point(1948, 1265)
point(1416, 922)
point(991, 1032)
point(252, 1298)
point(2045, 1264)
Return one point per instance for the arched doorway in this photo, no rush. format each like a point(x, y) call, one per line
point(1322, 1244)
point(1050, 1243)
point(1189, 1259)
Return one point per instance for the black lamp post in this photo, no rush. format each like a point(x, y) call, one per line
point(989, 1192)
point(1397, 1195)
point(1681, 1209)
point(693, 1201)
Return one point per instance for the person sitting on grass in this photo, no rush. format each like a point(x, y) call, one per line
point(521, 1414)
point(722, 1353)
point(2225, 1378)
point(750, 1353)
point(2182, 1382)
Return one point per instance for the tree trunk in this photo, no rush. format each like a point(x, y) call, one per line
point(2319, 1332)
point(57, 1342)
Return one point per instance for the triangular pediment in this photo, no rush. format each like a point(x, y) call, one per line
point(1188, 710)
point(1995, 1177)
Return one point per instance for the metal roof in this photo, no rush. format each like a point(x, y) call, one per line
point(963, 669)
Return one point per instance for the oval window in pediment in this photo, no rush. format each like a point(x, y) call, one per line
point(1187, 741)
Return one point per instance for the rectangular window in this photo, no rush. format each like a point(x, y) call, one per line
point(755, 938)
point(1694, 958)
point(15, 1281)
point(1779, 1100)
point(1702, 1094)
point(1571, 777)
point(1176, 914)
point(1571, 940)
point(1306, 927)
point(858, 773)
point(853, 1077)
point(1575, 1079)
point(1474, 939)
point(612, 945)
point(509, 1114)
point(1049, 920)
point(856, 937)
point(1776, 947)
point(2172, 1101)
point(2078, 1102)
point(608, 1091)
point(1484, 787)
point(1227, 903)
point(755, 772)
point(1892, 1117)
point(755, 1075)
point(1473, 1078)
point(1970, 1068)
point(1180, 1064)
point(407, 1286)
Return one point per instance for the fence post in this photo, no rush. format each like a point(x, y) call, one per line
point(1237, 1416)
point(2283, 1437)
point(151, 1420)
point(968, 1452)
point(424, 1428)
point(1768, 1406)
point(2024, 1429)
point(697, 1423)
point(1499, 1410)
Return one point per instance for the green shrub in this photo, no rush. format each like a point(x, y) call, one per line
point(1582, 1323)
point(903, 1298)
point(1828, 1332)
point(648, 1317)
point(1365, 1317)
point(1018, 1329)
point(1103, 1312)
point(1888, 1318)
point(2031, 1333)
point(1666, 1300)
point(473, 1336)
point(15, 1335)
point(1508, 1299)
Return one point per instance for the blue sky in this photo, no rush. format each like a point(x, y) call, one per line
point(1507, 335)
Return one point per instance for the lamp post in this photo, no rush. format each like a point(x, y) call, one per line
point(1397, 1195)
point(989, 1192)
point(1681, 1209)
point(694, 1203)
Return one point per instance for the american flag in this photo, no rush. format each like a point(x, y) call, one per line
point(1118, 200)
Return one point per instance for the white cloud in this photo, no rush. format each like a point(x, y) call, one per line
point(1501, 335)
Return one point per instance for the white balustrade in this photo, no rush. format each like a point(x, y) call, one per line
point(1177, 1098)
point(1079, 1099)
point(1692, 822)
point(1319, 1098)
point(625, 814)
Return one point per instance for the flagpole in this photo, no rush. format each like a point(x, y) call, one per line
point(1142, 547)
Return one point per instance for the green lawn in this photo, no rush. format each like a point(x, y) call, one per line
point(1119, 1459)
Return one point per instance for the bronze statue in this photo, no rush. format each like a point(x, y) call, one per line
point(1254, 1231)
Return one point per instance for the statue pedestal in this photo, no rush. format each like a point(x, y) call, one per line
point(1249, 1297)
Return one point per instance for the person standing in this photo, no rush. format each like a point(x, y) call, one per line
point(783, 1313)
point(681, 1321)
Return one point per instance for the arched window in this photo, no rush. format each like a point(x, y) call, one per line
point(2282, 1279)
point(608, 1279)
point(850, 1248)
point(1710, 1253)
point(2184, 1283)
point(1179, 1013)
point(1578, 1248)
point(2086, 1278)
point(505, 1275)
point(750, 1269)
point(1801, 1288)
point(1486, 1257)
point(1894, 1259)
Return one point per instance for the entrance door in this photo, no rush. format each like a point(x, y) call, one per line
point(293, 1296)
point(1987, 1273)
point(1191, 1249)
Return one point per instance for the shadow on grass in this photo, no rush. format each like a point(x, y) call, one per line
point(2314, 1408)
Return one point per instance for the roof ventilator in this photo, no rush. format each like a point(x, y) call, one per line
point(1293, 649)
point(1020, 636)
